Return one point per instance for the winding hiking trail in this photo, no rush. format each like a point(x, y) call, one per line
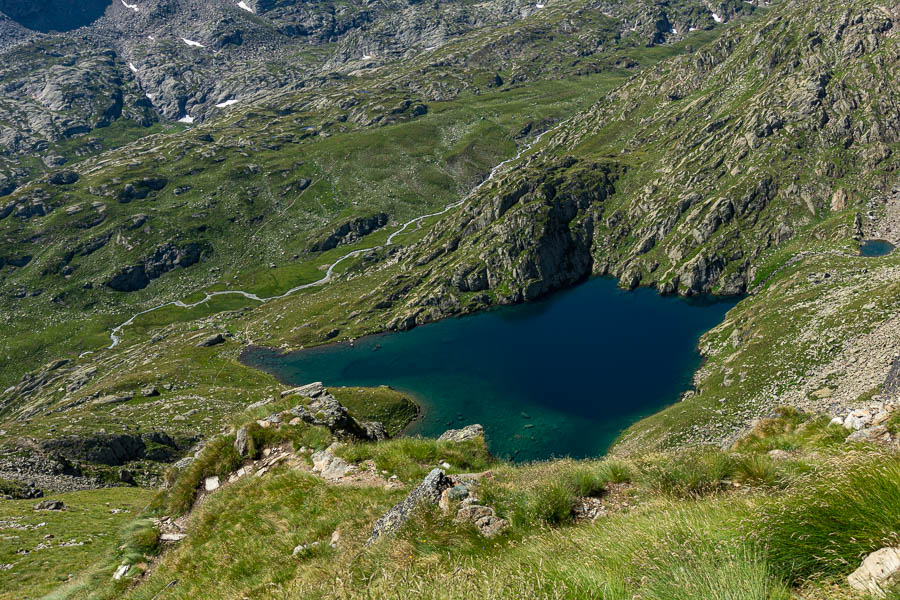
point(116, 335)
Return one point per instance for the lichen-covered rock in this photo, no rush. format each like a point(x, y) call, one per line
point(310, 390)
point(325, 411)
point(211, 340)
point(241, 441)
point(469, 432)
point(49, 505)
point(330, 466)
point(427, 492)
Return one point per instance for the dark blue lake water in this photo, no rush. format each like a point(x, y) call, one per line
point(559, 377)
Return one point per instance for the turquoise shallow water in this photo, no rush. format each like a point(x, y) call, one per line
point(559, 377)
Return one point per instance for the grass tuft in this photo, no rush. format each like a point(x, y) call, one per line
point(826, 524)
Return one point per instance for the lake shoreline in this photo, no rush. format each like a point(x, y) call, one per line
point(575, 360)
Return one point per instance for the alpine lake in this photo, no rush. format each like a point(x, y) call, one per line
point(563, 376)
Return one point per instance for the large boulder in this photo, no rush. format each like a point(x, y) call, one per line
point(212, 340)
point(114, 449)
point(310, 390)
point(350, 232)
point(427, 492)
point(163, 259)
point(49, 505)
point(64, 178)
point(879, 572)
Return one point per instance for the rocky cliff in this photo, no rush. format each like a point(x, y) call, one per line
point(686, 176)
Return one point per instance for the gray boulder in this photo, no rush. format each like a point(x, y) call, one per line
point(310, 390)
point(242, 441)
point(213, 340)
point(49, 505)
point(483, 517)
point(375, 430)
point(879, 433)
point(427, 492)
point(470, 432)
point(330, 466)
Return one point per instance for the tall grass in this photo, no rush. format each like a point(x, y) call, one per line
point(686, 475)
point(792, 430)
point(219, 458)
point(412, 458)
point(545, 493)
point(736, 574)
point(826, 524)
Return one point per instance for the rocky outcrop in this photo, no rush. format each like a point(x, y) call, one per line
point(211, 340)
point(324, 410)
point(164, 258)
point(331, 467)
point(702, 223)
point(49, 505)
point(242, 441)
point(469, 432)
point(483, 518)
point(64, 178)
point(114, 450)
point(427, 492)
point(350, 232)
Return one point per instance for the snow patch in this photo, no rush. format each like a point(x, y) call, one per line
point(673, 30)
point(133, 7)
point(226, 103)
point(540, 5)
point(151, 38)
point(717, 18)
point(186, 119)
point(244, 5)
point(692, 29)
point(367, 57)
point(132, 67)
point(192, 43)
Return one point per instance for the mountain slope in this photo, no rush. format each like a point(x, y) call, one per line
point(687, 175)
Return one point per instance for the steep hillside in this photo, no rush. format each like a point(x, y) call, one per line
point(365, 168)
point(84, 243)
point(687, 175)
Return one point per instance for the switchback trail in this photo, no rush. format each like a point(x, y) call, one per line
point(116, 335)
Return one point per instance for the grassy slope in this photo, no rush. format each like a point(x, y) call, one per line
point(87, 520)
point(705, 524)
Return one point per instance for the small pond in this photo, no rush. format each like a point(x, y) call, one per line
point(875, 248)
